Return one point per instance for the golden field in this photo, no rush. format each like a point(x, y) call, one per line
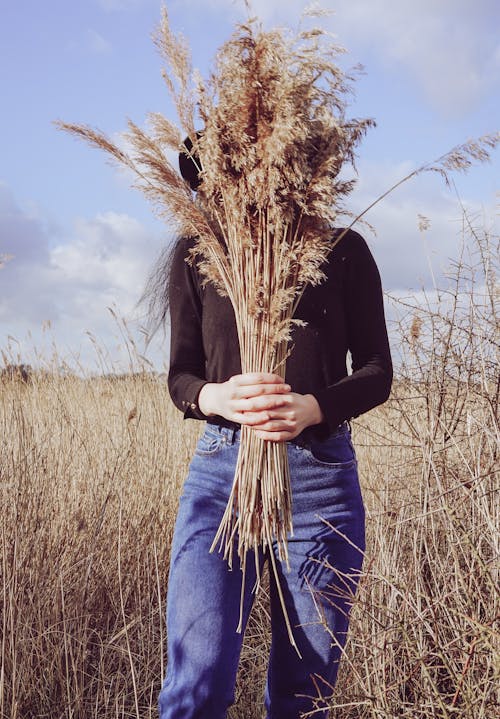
point(90, 474)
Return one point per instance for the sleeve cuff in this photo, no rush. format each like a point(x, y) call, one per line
point(332, 418)
point(189, 405)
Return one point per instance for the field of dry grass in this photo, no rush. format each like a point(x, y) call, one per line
point(90, 474)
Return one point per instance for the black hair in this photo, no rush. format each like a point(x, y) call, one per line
point(155, 297)
point(189, 163)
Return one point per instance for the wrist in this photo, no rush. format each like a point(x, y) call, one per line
point(206, 399)
point(316, 415)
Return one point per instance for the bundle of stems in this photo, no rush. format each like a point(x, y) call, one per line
point(274, 141)
point(259, 509)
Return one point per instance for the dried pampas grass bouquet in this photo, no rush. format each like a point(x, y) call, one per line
point(272, 139)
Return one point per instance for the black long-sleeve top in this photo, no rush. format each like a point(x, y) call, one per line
point(343, 313)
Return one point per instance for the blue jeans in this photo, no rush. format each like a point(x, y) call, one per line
point(203, 602)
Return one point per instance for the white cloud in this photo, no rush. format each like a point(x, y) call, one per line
point(22, 237)
point(408, 258)
point(106, 256)
point(448, 46)
point(70, 283)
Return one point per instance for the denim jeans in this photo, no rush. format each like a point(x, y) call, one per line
point(203, 601)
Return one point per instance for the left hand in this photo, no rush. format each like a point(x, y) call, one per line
point(283, 423)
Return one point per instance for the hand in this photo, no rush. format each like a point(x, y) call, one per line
point(288, 420)
point(247, 398)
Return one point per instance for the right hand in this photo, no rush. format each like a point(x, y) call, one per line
point(245, 398)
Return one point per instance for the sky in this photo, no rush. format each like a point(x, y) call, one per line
point(78, 242)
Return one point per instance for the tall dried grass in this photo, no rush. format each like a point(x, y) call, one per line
point(90, 474)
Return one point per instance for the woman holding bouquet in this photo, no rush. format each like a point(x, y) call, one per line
point(309, 410)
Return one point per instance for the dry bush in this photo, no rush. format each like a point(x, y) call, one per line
point(90, 474)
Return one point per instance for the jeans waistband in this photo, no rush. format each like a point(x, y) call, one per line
point(231, 434)
point(317, 433)
point(232, 431)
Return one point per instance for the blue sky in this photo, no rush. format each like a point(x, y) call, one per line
point(81, 241)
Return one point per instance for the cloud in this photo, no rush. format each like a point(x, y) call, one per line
point(69, 281)
point(23, 238)
point(410, 259)
point(104, 259)
point(450, 47)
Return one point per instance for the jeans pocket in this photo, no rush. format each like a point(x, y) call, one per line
point(210, 442)
point(334, 451)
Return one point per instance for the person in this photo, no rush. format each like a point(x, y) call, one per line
point(310, 411)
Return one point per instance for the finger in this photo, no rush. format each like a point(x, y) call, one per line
point(281, 436)
point(265, 419)
point(252, 419)
point(256, 378)
point(261, 403)
point(275, 425)
point(254, 390)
